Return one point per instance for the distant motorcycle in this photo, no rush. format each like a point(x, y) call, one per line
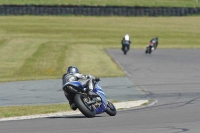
point(89, 105)
point(125, 46)
point(125, 49)
point(152, 45)
point(126, 43)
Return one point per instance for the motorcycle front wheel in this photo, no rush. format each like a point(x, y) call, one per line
point(111, 110)
point(81, 101)
point(146, 51)
point(125, 50)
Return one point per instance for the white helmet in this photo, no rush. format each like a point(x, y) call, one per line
point(126, 37)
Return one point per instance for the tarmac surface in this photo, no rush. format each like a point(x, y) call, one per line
point(50, 92)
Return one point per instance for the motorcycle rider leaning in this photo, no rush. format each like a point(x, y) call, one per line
point(126, 41)
point(87, 81)
point(154, 43)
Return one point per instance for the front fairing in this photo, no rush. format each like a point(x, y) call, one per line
point(100, 92)
point(76, 84)
point(126, 44)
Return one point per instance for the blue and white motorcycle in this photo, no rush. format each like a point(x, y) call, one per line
point(90, 105)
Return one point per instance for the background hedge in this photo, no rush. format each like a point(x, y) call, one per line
point(96, 10)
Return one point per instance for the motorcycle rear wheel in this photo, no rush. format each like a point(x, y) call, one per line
point(111, 110)
point(80, 101)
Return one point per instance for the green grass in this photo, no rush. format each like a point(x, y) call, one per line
point(32, 110)
point(43, 47)
point(174, 3)
point(11, 111)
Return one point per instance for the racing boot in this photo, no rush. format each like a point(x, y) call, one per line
point(73, 106)
point(71, 103)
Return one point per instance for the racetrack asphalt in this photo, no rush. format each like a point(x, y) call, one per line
point(49, 91)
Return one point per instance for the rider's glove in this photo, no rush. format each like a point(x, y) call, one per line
point(97, 79)
point(87, 76)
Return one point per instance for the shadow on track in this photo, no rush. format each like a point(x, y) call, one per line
point(70, 117)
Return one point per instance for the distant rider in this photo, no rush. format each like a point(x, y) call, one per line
point(126, 41)
point(87, 81)
point(154, 43)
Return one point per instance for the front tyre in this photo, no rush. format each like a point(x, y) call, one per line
point(150, 51)
point(111, 110)
point(124, 52)
point(80, 101)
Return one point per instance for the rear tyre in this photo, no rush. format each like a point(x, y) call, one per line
point(80, 101)
point(111, 110)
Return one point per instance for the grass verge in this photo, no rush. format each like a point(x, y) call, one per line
point(12, 111)
point(43, 47)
